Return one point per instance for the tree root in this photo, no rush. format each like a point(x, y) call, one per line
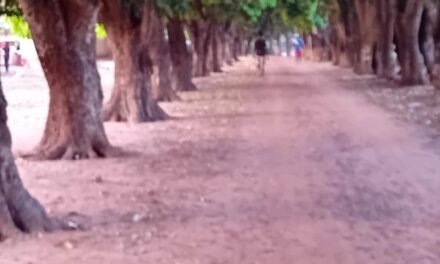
point(66, 151)
point(70, 222)
point(169, 97)
point(152, 112)
point(185, 86)
point(156, 113)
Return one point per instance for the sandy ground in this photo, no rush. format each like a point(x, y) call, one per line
point(289, 168)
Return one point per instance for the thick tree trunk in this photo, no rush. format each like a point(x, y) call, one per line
point(279, 44)
point(201, 39)
point(180, 56)
point(366, 17)
point(335, 46)
point(222, 45)
point(160, 56)
point(131, 98)
point(19, 211)
point(74, 128)
point(215, 45)
point(410, 57)
point(338, 38)
point(233, 43)
point(225, 38)
point(349, 20)
point(320, 45)
point(435, 76)
point(288, 37)
point(249, 44)
point(341, 19)
point(235, 48)
point(240, 43)
point(229, 57)
point(386, 10)
point(426, 35)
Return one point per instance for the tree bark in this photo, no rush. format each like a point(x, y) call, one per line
point(180, 56)
point(350, 27)
point(226, 40)
point(410, 57)
point(288, 37)
point(338, 37)
point(426, 35)
point(386, 10)
point(201, 39)
point(233, 43)
point(366, 16)
point(160, 56)
point(278, 38)
point(240, 43)
point(215, 40)
point(19, 211)
point(131, 98)
point(67, 52)
point(435, 76)
point(249, 45)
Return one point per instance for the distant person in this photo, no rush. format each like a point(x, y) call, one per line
point(298, 45)
point(261, 51)
point(6, 53)
point(17, 54)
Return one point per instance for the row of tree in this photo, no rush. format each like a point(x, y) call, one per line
point(152, 60)
point(395, 39)
point(151, 54)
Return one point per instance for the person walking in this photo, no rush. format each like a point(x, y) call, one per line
point(6, 53)
point(261, 52)
point(298, 45)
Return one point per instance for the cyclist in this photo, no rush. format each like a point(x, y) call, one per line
point(261, 51)
point(298, 44)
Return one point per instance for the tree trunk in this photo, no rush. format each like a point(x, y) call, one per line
point(233, 43)
point(338, 36)
point(350, 27)
point(249, 44)
point(366, 16)
point(67, 52)
point(386, 10)
point(240, 43)
point(222, 45)
point(335, 45)
point(215, 40)
point(288, 43)
point(180, 56)
point(131, 98)
point(426, 36)
point(160, 56)
point(278, 38)
point(435, 76)
point(410, 57)
point(229, 57)
point(19, 211)
point(201, 39)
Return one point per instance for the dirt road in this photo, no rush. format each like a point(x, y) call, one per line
point(289, 168)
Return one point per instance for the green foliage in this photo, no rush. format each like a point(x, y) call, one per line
point(10, 8)
point(19, 26)
point(173, 8)
point(301, 15)
point(256, 8)
point(252, 15)
point(101, 33)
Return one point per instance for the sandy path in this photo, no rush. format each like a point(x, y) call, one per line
point(286, 169)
